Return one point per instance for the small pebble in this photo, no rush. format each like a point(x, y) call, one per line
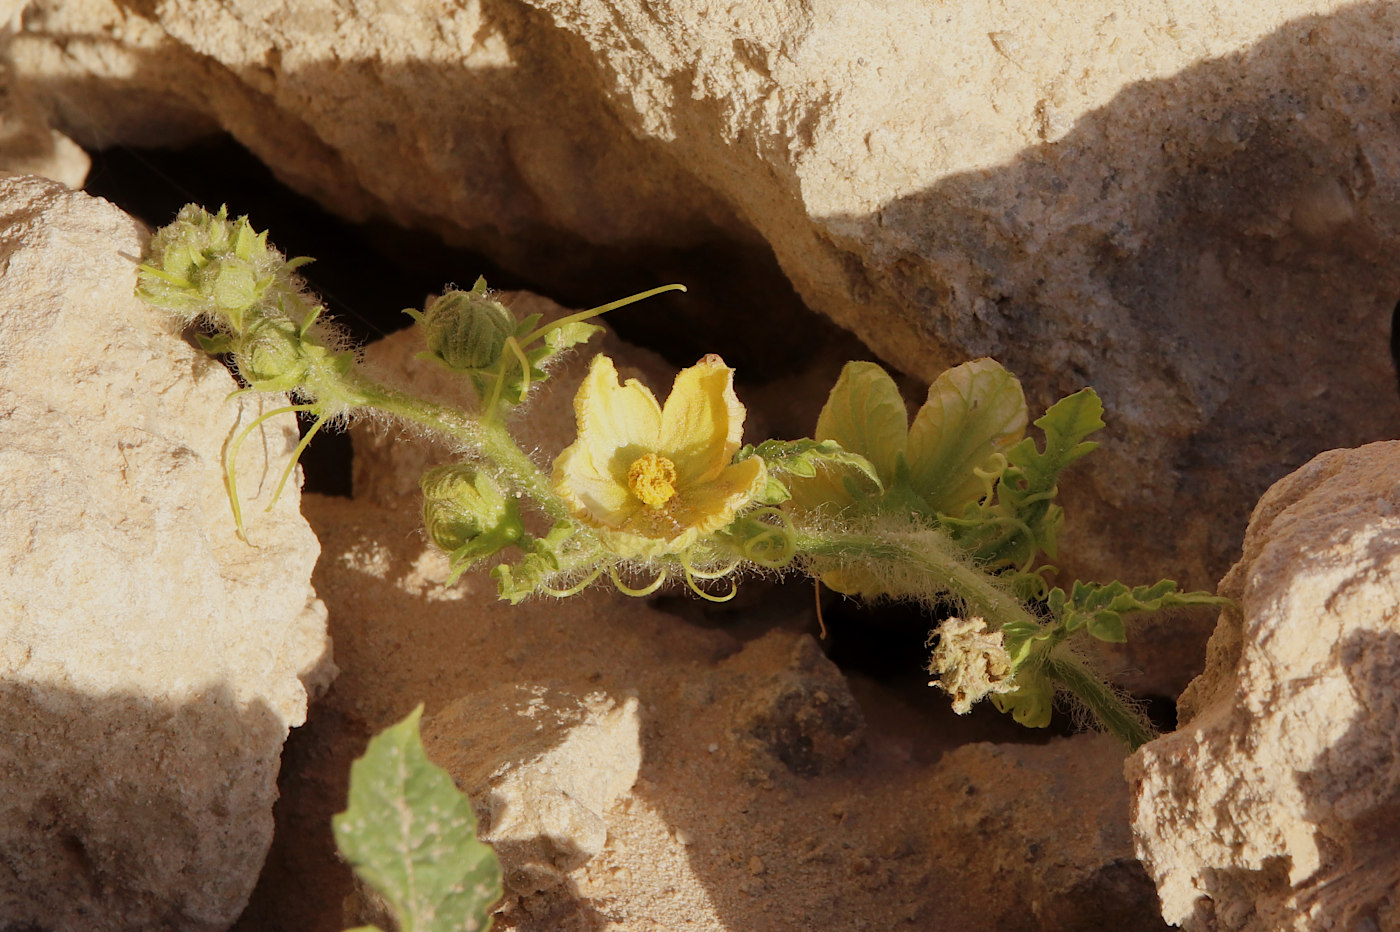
point(755, 865)
point(713, 748)
point(683, 837)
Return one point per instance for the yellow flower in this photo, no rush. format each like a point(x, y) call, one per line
point(652, 480)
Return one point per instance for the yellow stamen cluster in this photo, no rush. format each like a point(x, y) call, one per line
point(652, 479)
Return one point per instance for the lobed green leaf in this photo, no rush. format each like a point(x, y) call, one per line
point(410, 834)
point(866, 415)
point(1099, 609)
point(974, 412)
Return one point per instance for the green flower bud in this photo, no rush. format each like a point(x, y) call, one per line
point(466, 329)
point(205, 264)
point(273, 355)
point(233, 287)
point(466, 514)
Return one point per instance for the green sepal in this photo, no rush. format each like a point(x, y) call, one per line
point(803, 457)
point(410, 834)
point(1018, 637)
point(569, 335)
point(1031, 702)
point(216, 345)
point(517, 582)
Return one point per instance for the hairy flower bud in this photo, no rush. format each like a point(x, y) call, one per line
point(232, 285)
point(467, 330)
point(272, 356)
point(206, 265)
point(466, 514)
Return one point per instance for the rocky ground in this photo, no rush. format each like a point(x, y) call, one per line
point(1191, 207)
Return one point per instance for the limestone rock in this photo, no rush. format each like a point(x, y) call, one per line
point(543, 767)
point(150, 661)
point(28, 144)
point(1190, 206)
point(1274, 806)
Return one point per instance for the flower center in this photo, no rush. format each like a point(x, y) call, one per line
point(652, 478)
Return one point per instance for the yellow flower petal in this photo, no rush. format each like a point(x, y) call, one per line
point(592, 495)
point(710, 506)
point(702, 423)
point(616, 423)
point(651, 480)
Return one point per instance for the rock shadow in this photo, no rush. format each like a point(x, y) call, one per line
point(125, 812)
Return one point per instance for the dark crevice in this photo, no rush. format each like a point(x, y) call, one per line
point(1395, 343)
point(739, 303)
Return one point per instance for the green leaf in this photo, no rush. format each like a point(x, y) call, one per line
point(1031, 702)
point(1066, 424)
point(411, 835)
point(1023, 520)
point(1018, 637)
point(804, 457)
point(865, 414)
point(974, 412)
point(1099, 609)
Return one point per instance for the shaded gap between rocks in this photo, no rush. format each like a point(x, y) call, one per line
point(739, 302)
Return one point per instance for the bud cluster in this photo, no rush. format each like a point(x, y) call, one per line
point(209, 268)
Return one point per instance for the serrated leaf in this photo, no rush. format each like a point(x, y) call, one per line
point(974, 412)
point(865, 414)
point(1100, 608)
point(803, 457)
point(411, 835)
point(1066, 424)
point(1108, 626)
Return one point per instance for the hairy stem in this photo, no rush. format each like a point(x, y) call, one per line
point(1117, 717)
point(491, 441)
point(944, 572)
point(933, 559)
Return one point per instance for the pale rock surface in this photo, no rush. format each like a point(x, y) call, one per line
point(1274, 806)
point(28, 144)
point(1189, 205)
point(151, 662)
point(543, 766)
